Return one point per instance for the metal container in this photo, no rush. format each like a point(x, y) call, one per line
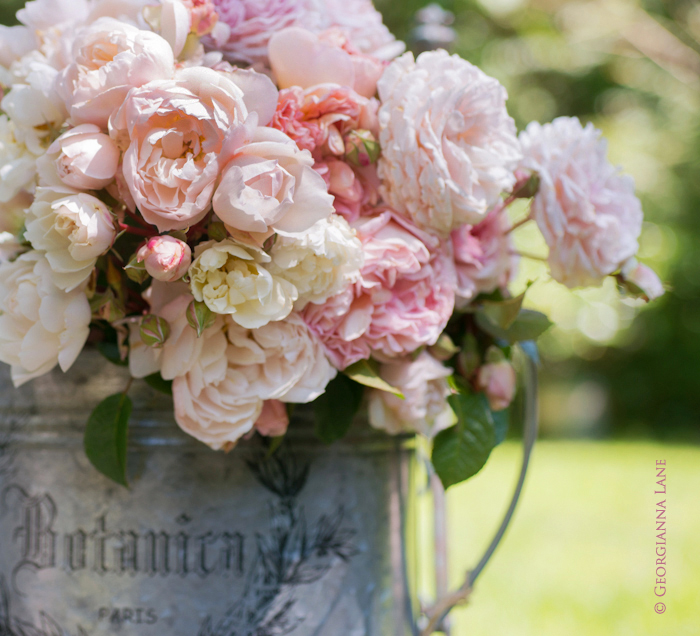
point(306, 542)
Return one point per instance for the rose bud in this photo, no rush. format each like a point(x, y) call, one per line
point(166, 258)
point(200, 317)
point(361, 148)
point(273, 420)
point(154, 330)
point(86, 158)
point(644, 278)
point(498, 381)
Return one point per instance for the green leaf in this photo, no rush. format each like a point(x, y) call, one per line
point(501, 420)
point(365, 372)
point(503, 313)
point(135, 270)
point(461, 451)
point(275, 443)
point(106, 437)
point(335, 410)
point(157, 382)
point(529, 325)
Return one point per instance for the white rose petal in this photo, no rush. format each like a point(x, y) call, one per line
point(40, 325)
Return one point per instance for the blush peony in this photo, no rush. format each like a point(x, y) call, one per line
point(449, 147)
point(585, 208)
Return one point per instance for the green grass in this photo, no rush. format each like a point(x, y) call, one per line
point(579, 557)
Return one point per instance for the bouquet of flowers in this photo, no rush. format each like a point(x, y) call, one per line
point(261, 203)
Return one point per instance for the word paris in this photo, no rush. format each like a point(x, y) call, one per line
point(253, 205)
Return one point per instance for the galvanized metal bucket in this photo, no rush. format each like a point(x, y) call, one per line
point(306, 542)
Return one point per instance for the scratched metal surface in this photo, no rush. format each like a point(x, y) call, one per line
point(203, 543)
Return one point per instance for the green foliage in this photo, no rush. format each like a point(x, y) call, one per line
point(529, 325)
point(335, 410)
point(365, 372)
point(461, 451)
point(106, 437)
point(157, 382)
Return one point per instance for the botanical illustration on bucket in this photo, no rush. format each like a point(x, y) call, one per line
point(255, 204)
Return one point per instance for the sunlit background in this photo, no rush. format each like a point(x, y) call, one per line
point(620, 382)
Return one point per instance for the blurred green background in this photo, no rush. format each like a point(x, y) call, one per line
point(620, 383)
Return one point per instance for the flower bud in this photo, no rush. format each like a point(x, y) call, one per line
point(86, 158)
point(273, 420)
point(643, 278)
point(200, 317)
point(361, 148)
point(498, 381)
point(154, 330)
point(166, 258)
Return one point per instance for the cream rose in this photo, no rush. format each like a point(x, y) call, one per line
point(231, 278)
point(74, 229)
point(449, 148)
point(110, 58)
point(17, 163)
point(175, 132)
point(86, 159)
point(425, 410)
point(214, 401)
point(320, 262)
point(40, 325)
point(282, 360)
point(271, 185)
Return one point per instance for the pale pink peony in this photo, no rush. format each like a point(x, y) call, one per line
point(424, 408)
point(484, 255)
point(166, 258)
point(273, 421)
point(110, 58)
point(498, 381)
point(175, 133)
point(253, 22)
point(404, 298)
point(643, 277)
point(86, 158)
point(449, 147)
point(585, 208)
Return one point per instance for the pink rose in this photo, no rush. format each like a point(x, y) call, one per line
point(585, 208)
point(166, 258)
point(484, 255)
point(273, 421)
point(301, 58)
point(403, 300)
point(498, 381)
point(203, 16)
point(270, 184)
point(175, 133)
point(424, 408)
point(86, 158)
point(110, 58)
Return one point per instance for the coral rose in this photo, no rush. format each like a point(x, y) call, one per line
point(449, 147)
point(175, 132)
point(585, 208)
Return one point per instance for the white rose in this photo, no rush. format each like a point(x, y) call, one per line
point(40, 325)
point(17, 163)
point(449, 148)
point(320, 262)
point(271, 185)
point(214, 401)
point(230, 278)
point(15, 42)
point(74, 229)
point(425, 410)
point(182, 348)
point(282, 360)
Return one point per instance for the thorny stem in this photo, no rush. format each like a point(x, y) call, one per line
point(135, 217)
point(130, 229)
